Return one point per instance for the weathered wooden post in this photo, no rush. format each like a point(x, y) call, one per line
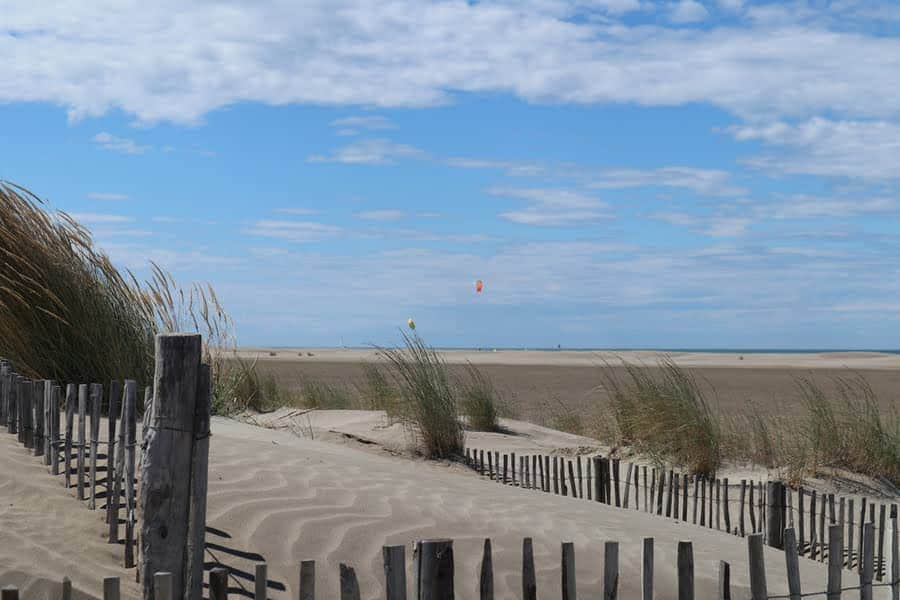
point(37, 417)
point(686, 570)
point(129, 426)
point(758, 588)
point(218, 584)
point(775, 512)
point(4, 373)
point(70, 418)
point(82, 429)
point(610, 570)
point(349, 583)
point(486, 581)
point(647, 569)
point(48, 423)
point(394, 572)
point(54, 420)
point(567, 572)
point(96, 395)
point(529, 583)
point(434, 570)
point(307, 587)
point(166, 478)
point(196, 542)
point(792, 564)
point(115, 389)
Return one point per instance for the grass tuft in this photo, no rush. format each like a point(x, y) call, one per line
point(428, 396)
point(479, 400)
point(663, 412)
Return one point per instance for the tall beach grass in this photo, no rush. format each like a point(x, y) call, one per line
point(67, 313)
point(429, 396)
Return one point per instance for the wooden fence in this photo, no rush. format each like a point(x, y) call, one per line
point(164, 497)
point(434, 576)
point(767, 507)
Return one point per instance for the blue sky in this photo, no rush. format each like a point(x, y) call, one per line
point(620, 173)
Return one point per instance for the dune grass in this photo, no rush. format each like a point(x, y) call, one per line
point(663, 412)
point(429, 396)
point(67, 313)
point(479, 400)
point(378, 392)
point(847, 429)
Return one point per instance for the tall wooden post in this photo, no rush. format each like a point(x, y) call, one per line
point(775, 514)
point(199, 478)
point(434, 570)
point(166, 473)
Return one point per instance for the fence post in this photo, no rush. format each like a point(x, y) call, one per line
point(70, 419)
point(199, 481)
point(166, 472)
point(162, 584)
point(308, 579)
point(82, 429)
point(96, 398)
point(895, 556)
point(758, 589)
point(10, 592)
point(54, 419)
point(218, 584)
point(486, 583)
point(129, 426)
point(792, 564)
point(568, 572)
point(110, 588)
point(349, 583)
point(867, 562)
point(394, 572)
point(434, 570)
point(724, 588)
point(835, 561)
point(112, 411)
point(647, 570)
point(529, 584)
point(48, 422)
point(774, 522)
point(685, 571)
point(261, 581)
point(610, 571)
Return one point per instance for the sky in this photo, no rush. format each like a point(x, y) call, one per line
point(619, 173)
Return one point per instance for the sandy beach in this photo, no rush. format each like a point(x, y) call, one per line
point(539, 384)
point(277, 497)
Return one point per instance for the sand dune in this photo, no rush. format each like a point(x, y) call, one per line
point(280, 498)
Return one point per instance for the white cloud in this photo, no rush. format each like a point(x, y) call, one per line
point(688, 11)
point(510, 167)
point(175, 61)
point(702, 181)
point(353, 125)
point(381, 215)
point(113, 143)
point(94, 218)
point(371, 152)
point(818, 146)
point(552, 207)
point(811, 207)
point(717, 226)
point(294, 231)
point(106, 196)
point(297, 210)
point(731, 5)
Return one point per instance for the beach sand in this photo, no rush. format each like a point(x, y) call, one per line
point(539, 384)
point(319, 489)
point(279, 498)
